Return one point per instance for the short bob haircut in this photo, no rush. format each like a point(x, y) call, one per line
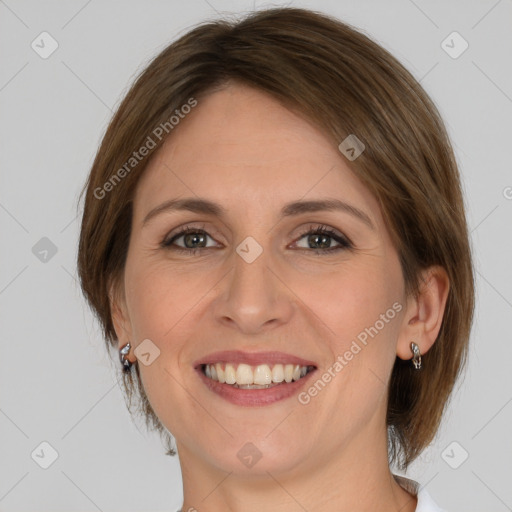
point(344, 83)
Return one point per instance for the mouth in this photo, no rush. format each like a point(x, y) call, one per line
point(263, 376)
point(253, 379)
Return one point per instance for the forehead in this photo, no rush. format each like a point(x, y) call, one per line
point(241, 146)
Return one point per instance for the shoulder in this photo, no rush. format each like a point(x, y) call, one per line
point(425, 501)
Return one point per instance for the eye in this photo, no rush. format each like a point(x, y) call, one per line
point(195, 239)
point(319, 236)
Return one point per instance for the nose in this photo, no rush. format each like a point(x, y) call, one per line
point(254, 296)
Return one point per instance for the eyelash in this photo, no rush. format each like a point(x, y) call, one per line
point(312, 230)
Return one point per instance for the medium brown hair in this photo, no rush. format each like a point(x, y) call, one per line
point(340, 80)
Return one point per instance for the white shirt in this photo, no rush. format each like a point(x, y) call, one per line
point(425, 502)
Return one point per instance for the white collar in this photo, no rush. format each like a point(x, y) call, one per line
point(425, 501)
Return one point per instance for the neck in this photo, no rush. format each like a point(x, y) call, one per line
point(343, 478)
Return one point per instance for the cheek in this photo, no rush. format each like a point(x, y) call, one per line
point(353, 298)
point(359, 310)
point(160, 299)
point(161, 304)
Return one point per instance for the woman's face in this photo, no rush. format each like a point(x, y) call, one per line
point(253, 281)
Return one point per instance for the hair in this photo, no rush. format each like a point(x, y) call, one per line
point(344, 83)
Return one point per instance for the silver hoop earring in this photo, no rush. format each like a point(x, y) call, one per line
point(123, 352)
point(416, 356)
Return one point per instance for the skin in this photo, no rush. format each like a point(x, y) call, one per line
point(242, 149)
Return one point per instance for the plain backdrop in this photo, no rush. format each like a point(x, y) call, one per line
point(57, 384)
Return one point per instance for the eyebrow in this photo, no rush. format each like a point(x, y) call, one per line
point(294, 208)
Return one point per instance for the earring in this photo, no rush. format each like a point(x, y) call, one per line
point(416, 356)
point(123, 352)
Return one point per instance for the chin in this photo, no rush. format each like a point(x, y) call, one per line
point(257, 455)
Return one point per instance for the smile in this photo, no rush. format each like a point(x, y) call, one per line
point(249, 379)
point(262, 376)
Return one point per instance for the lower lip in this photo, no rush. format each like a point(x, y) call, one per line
point(254, 397)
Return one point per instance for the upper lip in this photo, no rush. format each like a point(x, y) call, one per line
point(252, 358)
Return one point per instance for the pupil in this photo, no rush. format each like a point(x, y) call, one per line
point(192, 238)
point(314, 240)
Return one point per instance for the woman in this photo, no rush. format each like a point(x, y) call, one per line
point(274, 239)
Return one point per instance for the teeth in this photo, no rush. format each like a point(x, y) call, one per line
point(249, 377)
point(288, 372)
point(229, 373)
point(278, 373)
point(244, 374)
point(220, 373)
point(262, 374)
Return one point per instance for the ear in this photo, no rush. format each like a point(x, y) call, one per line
point(120, 317)
point(424, 313)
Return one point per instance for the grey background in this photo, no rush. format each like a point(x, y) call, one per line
point(56, 381)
